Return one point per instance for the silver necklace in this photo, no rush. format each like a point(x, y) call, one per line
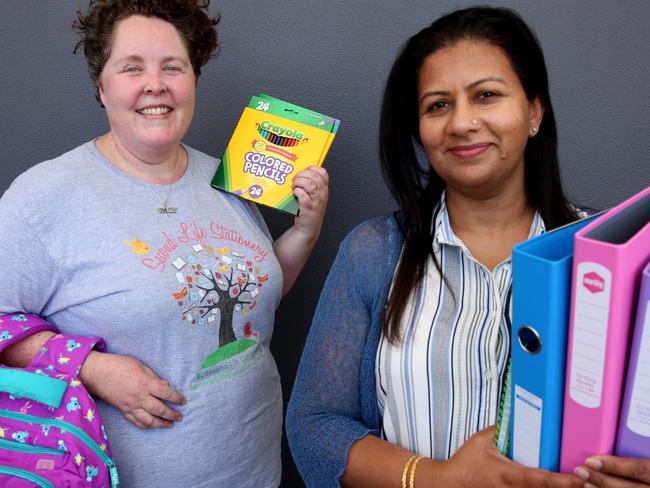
point(165, 209)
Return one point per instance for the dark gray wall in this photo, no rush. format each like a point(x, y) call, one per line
point(334, 57)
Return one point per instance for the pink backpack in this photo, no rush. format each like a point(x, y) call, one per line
point(51, 433)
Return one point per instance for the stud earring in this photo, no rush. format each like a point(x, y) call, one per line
point(533, 130)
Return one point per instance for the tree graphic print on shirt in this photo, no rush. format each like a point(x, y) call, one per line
point(230, 287)
point(218, 278)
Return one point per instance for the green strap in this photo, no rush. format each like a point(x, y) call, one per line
point(40, 387)
point(502, 437)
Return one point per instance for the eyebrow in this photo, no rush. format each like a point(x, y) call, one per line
point(134, 58)
point(483, 80)
point(470, 86)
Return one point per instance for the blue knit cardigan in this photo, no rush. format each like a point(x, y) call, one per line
point(334, 401)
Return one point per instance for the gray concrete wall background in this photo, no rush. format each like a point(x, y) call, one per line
point(334, 57)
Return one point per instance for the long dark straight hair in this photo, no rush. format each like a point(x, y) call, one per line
point(415, 186)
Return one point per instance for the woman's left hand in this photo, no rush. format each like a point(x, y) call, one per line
point(311, 187)
point(614, 472)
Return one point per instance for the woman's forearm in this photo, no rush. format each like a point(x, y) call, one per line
point(22, 353)
point(375, 463)
point(292, 250)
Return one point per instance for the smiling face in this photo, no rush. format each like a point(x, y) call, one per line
point(148, 86)
point(474, 118)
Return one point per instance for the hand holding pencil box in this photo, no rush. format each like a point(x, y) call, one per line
point(272, 142)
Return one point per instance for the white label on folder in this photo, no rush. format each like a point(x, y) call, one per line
point(527, 434)
point(638, 420)
point(593, 284)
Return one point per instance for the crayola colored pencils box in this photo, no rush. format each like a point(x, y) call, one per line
point(272, 142)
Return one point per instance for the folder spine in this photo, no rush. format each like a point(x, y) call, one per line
point(541, 301)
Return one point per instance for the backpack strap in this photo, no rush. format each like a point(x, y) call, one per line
point(66, 353)
point(14, 327)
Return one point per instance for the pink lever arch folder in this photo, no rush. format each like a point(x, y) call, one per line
point(609, 255)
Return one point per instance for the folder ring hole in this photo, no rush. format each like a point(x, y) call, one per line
point(529, 339)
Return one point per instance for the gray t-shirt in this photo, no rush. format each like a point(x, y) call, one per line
point(192, 294)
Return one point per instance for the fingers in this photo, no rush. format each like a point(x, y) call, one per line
point(558, 480)
point(150, 411)
point(596, 479)
point(305, 201)
point(131, 418)
point(314, 181)
point(152, 406)
point(154, 413)
point(635, 469)
point(144, 420)
point(163, 390)
point(160, 410)
point(614, 472)
point(317, 175)
point(519, 475)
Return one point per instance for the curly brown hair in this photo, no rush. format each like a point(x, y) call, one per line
point(189, 17)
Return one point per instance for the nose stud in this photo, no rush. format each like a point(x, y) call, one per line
point(474, 122)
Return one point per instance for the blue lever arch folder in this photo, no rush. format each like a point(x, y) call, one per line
point(541, 297)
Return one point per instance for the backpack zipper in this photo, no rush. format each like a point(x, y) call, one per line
point(21, 473)
point(73, 429)
point(28, 448)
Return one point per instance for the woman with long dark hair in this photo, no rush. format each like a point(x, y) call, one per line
point(404, 368)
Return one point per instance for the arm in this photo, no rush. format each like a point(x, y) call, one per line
point(21, 354)
point(373, 462)
point(294, 246)
point(121, 381)
point(614, 472)
point(133, 388)
point(370, 453)
point(324, 416)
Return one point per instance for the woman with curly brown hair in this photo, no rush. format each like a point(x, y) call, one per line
point(124, 238)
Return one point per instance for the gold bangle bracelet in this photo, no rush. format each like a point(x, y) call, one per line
point(406, 470)
point(412, 477)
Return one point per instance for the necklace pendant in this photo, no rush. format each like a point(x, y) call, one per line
point(165, 210)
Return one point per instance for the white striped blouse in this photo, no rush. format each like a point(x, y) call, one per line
point(442, 383)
